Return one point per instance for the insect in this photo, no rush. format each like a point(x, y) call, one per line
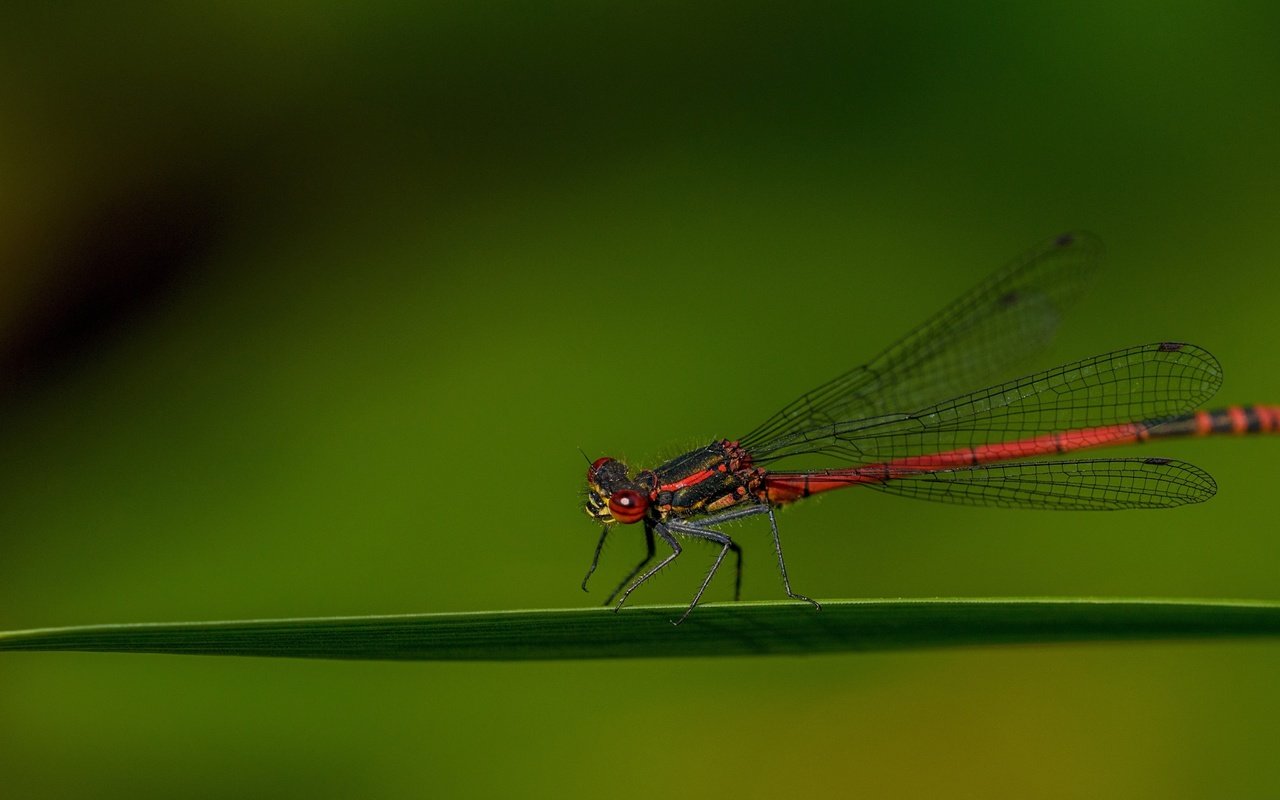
point(900, 424)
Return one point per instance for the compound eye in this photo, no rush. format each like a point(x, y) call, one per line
point(628, 506)
point(595, 467)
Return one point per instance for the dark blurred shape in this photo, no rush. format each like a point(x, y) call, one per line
point(114, 263)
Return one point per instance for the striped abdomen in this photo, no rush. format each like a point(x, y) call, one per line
point(787, 487)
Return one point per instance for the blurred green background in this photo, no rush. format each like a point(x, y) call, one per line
point(306, 308)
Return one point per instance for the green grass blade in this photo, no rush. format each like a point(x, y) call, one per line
point(713, 630)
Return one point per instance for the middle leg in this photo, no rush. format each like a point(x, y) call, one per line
point(726, 544)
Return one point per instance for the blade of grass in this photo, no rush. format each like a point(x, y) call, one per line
point(646, 632)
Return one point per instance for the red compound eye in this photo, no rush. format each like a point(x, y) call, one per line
point(628, 506)
point(595, 465)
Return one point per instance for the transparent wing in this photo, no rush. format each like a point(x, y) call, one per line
point(1092, 485)
point(985, 335)
point(1094, 401)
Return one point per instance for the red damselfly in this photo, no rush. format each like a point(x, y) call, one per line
point(900, 425)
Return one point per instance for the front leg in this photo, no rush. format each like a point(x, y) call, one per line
point(648, 556)
point(595, 560)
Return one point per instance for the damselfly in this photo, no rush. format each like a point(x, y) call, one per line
point(900, 425)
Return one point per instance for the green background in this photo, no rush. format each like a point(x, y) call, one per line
point(306, 309)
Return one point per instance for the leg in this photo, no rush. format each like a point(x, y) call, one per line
point(595, 560)
point(726, 544)
point(675, 551)
point(737, 572)
point(648, 556)
point(782, 564)
point(730, 516)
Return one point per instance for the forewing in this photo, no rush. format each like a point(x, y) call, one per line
point(984, 336)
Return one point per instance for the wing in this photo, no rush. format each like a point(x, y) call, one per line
point(1095, 401)
point(983, 336)
point(1093, 485)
